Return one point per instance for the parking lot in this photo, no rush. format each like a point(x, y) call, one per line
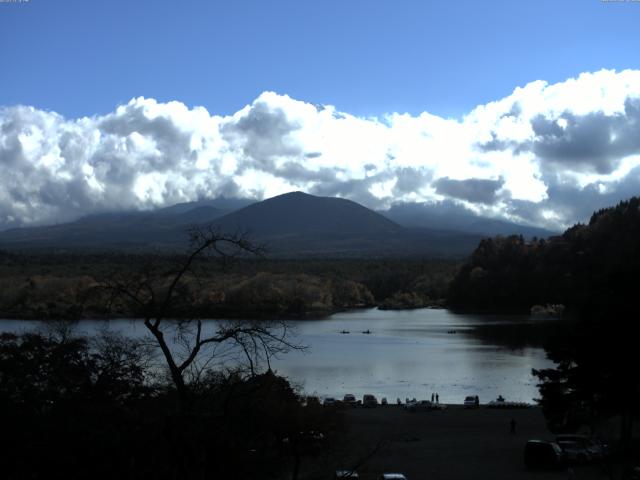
point(456, 443)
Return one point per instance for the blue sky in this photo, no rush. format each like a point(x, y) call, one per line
point(521, 110)
point(365, 57)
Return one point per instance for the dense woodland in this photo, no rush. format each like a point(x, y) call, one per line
point(593, 269)
point(74, 407)
point(592, 266)
point(70, 286)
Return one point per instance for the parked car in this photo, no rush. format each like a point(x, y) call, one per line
point(420, 406)
point(340, 474)
point(408, 403)
point(329, 402)
point(596, 449)
point(574, 452)
point(350, 399)
point(392, 476)
point(369, 401)
point(500, 402)
point(541, 454)
point(470, 401)
point(312, 401)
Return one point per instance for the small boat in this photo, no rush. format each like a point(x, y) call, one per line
point(367, 332)
point(345, 331)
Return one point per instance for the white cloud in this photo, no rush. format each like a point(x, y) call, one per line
point(526, 156)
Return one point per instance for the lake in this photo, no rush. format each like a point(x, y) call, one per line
point(409, 353)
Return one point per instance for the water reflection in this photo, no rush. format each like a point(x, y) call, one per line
point(407, 354)
point(411, 354)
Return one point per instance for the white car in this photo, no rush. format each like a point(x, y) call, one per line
point(392, 476)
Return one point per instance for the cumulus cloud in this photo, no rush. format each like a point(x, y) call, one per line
point(594, 141)
point(571, 201)
point(544, 154)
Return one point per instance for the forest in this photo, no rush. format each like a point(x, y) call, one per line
point(70, 286)
point(79, 407)
point(590, 267)
point(593, 270)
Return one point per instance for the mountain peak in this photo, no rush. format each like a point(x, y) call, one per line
point(295, 193)
point(301, 213)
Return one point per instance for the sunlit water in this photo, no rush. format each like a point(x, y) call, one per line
point(408, 353)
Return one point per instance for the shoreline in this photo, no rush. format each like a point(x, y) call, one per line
point(307, 315)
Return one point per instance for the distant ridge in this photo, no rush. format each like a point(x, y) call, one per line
point(452, 217)
point(292, 225)
point(118, 230)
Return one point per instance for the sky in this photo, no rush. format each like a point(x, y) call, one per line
point(528, 111)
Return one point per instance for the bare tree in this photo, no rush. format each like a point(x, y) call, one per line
point(160, 294)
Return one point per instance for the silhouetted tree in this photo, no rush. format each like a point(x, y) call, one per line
point(158, 293)
point(595, 378)
point(77, 407)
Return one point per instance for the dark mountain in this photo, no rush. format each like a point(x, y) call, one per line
point(298, 224)
point(449, 216)
point(223, 204)
point(292, 225)
point(298, 213)
point(134, 230)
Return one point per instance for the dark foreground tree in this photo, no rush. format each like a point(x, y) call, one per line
point(66, 403)
point(168, 301)
point(77, 408)
point(596, 383)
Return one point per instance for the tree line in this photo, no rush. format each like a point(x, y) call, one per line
point(593, 270)
point(63, 285)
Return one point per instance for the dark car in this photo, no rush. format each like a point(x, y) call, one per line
point(350, 399)
point(312, 401)
point(541, 454)
point(346, 474)
point(574, 452)
point(369, 401)
point(421, 406)
point(471, 401)
point(596, 449)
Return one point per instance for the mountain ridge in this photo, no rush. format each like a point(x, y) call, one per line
point(292, 224)
point(298, 212)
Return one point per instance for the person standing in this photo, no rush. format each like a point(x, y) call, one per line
point(437, 398)
point(432, 395)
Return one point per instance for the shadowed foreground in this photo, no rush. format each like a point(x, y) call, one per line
point(452, 444)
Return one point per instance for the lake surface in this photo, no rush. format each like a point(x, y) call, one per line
point(408, 353)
